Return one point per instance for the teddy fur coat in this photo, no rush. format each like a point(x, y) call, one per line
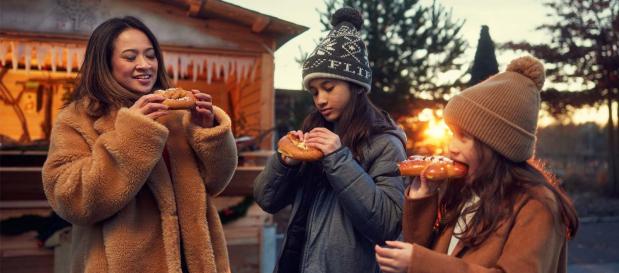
point(130, 211)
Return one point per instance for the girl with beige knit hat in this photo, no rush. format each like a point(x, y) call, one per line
point(507, 214)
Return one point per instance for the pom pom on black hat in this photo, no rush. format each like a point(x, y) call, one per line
point(347, 14)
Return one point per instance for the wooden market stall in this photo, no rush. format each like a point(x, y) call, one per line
point(210, 45)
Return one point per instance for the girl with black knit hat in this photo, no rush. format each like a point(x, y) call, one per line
point(351, 199)
point(507, 214)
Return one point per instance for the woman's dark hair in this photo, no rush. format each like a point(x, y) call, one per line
point(499, 182)
point(95, 81)
point(360, 120)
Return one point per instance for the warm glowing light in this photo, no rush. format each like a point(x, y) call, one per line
point(426, 115)
point(437, 129)
point(429, 133)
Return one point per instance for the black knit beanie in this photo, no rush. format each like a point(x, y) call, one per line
point(342, 54)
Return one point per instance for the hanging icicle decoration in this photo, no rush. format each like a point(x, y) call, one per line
point(198, 65)
point(210, 66)
point(175, 70)
point(237, 68)
point(80, 56)
point(242, 68)
point(226, 67)
point(4, 49)
point(247, 68)
point(52, 58)
point(178, 64)
point(56, 57)
point(184, 62)
point(27, 57)
point(215, 68)
point(42, 50)
point(194, 72)
point(16, 50)
point(69, 65)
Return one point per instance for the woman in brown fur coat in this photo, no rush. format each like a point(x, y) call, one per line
point(135, 179)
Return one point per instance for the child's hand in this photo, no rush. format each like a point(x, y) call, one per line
point(422, 187)
point(323, 139)
point(395, 258)
point(289, 161)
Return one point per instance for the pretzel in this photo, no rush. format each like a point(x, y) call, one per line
point(433, 167)
point(177, 98)
point(291, 146)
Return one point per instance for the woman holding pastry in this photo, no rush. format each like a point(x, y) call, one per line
point(491, 207)
point(339, 172)
point(135, 177)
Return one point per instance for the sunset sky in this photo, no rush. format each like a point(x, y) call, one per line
point(512, 20)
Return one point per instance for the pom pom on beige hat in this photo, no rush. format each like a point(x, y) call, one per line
point(502, 111)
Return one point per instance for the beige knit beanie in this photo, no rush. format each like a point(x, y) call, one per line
point(502, 110)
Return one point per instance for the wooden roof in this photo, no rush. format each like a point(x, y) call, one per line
point(184, 24)
point(282, 31)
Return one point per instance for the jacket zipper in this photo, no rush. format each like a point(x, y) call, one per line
point(292, 213)
point(307, 233)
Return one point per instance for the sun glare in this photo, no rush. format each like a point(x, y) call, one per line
point(429, 133)
point(437, 129)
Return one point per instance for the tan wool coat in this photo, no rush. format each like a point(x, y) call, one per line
point(130, 212)
point(532, 240)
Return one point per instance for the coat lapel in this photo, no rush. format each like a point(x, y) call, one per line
point(442, 243)
point(191, 197)
point(161, 186)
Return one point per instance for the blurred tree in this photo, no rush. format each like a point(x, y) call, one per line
point(582, 62)
point(409, 46)
point(485, 64)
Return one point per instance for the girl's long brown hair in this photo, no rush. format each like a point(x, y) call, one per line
point(499, 183)
point(360, 120)
point(96, 84)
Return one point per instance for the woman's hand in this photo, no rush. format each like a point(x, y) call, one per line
point(323, 139)
point(150, 105)
point(422, 187)
point(289, 161)
point(395, 258)
point(202, 115)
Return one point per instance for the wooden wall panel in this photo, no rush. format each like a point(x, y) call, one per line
point(267, 99)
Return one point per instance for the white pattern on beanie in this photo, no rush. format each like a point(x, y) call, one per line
point(342, 54)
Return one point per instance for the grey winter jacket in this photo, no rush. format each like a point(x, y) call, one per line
point(361, 205)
